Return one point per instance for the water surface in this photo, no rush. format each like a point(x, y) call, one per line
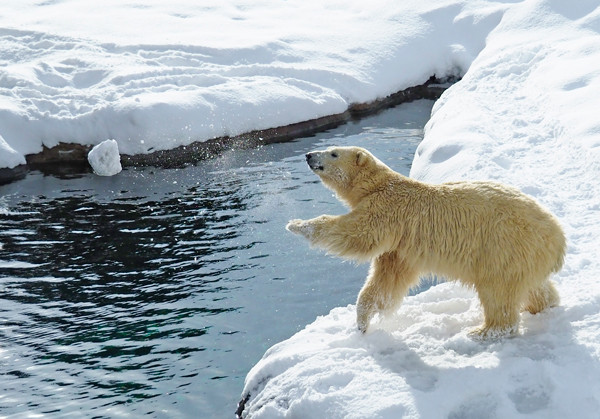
point(154, 292)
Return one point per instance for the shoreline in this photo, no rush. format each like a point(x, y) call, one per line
point(70, 158)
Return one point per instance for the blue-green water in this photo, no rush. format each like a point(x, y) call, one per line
point(152, 293)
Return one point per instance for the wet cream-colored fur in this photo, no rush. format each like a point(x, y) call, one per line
point(486, 235)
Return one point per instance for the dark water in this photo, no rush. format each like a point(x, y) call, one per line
point(152, 293)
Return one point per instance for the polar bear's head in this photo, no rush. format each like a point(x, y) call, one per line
point(345, 170)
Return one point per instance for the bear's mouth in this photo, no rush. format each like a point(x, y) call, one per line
point(316, 167)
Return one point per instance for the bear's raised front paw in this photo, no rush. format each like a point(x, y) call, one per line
point(300, 227)
point(294, 226)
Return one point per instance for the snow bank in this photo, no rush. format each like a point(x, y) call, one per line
point(525, 113)
point(171, 73)
point(421, 364)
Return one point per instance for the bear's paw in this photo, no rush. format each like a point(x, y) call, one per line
point(302, 227)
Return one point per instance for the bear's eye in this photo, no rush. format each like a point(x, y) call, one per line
point(334, 155)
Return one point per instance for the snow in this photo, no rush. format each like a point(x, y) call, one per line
point(158, 75)
point(105, 158)
point(10, 157)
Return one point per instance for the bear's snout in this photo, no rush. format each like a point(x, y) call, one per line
point(313, 161)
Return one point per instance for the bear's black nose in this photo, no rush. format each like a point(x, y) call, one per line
point(308, 156)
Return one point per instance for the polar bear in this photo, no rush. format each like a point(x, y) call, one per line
point(486, 235)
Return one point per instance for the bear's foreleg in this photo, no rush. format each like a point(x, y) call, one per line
point(350, 236)
point(389, 280)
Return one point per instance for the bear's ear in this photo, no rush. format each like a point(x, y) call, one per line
point(361, 158)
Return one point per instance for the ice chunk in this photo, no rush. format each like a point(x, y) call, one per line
point(105, 159)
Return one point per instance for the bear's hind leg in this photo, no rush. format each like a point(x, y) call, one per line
point(542, 297)
point(501, 312)
point(388, 282)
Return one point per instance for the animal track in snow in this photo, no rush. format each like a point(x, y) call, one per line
point(480, 406)
point(532, 393)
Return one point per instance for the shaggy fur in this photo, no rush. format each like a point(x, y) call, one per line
point(486, 235)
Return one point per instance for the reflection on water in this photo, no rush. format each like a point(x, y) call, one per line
point(155, 291)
